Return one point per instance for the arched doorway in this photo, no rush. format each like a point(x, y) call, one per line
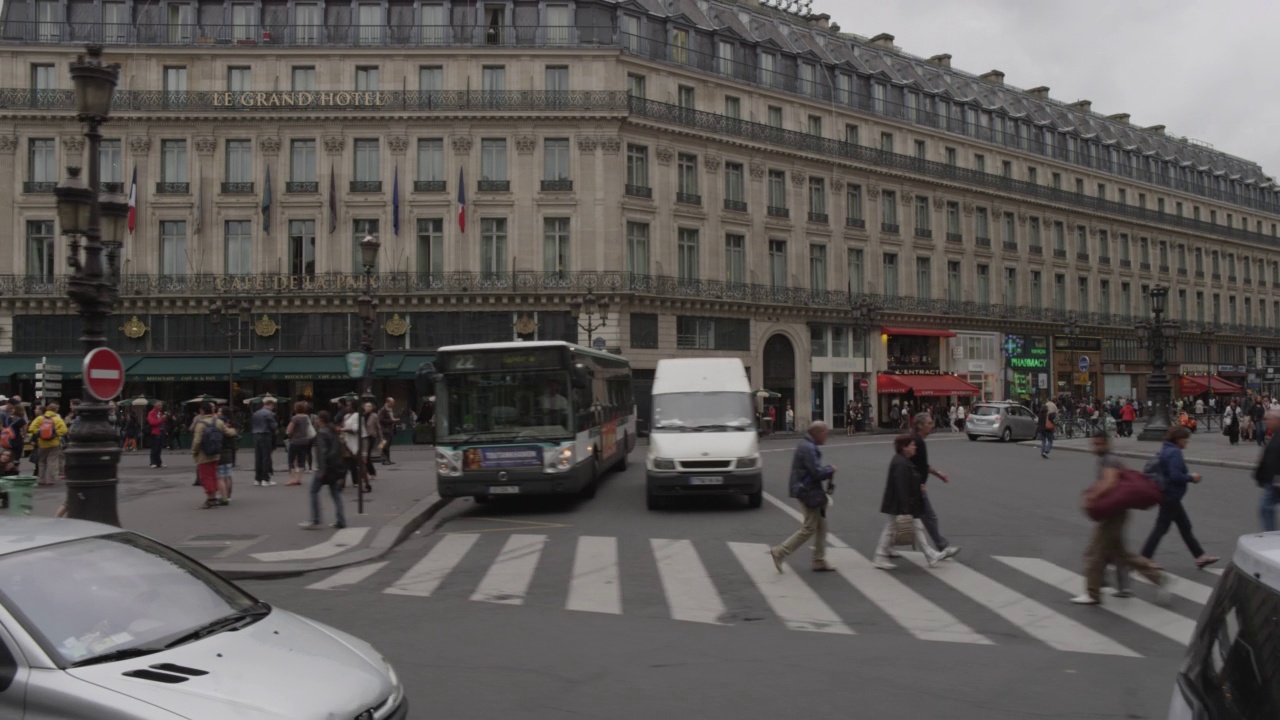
point(780, 375)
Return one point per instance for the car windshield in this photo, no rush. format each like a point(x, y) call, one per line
point(986, 410)
point(1231, 661)
point(685, 412)
point(503, 404)
point(88, 598)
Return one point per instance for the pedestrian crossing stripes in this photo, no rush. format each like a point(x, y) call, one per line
point(951, 602)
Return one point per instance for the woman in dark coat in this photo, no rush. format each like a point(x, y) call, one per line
point(903, 495)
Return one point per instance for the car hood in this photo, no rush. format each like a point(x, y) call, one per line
point(283, 666)
point(688, 445)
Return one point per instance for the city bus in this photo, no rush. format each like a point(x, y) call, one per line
point(530, 418)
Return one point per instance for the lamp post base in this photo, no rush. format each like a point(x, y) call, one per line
point(1159, 390)
point(93, 458)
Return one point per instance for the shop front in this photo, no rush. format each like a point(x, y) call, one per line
point(839, 371)
point(913, 360)
point(1077, 366)
point(975, 357)
point(1123, 380)
point(1027, 365)
point(1207, 386)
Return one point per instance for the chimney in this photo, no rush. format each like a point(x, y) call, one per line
point(1122, 118)
point(1082, 106)
point(1040, 93)
point(821, 21)
point(995, 77)
point(884, 40)
point(943, 60)
point(1157, 129)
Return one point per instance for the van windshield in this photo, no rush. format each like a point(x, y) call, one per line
point(1231, 666)
point(700, 412)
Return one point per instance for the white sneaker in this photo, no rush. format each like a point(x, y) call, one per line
point(258, 483)
point(1085, 600)
point(949, 552)
point(269, 482)
point(882, 563)
point(934, 559)
point(1123, 594)
point(893, 554)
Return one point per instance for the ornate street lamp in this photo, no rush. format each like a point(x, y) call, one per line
point(1157, 336)
point(1071, 331)
point(589, 305)
point(368, 309)
point(1210, 334)
point(865, 314)
point(93, 454)
point(243, 312)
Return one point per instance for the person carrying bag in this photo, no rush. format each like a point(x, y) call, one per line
point(806, 485)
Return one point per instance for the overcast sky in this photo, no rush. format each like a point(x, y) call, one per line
point(1205, 69)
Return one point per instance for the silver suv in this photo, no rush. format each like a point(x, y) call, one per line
point(1004, 420)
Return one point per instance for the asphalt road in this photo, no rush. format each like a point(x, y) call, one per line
point(555, 609)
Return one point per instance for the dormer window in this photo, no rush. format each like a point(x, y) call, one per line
point(768, 69)
point(680, 46)
point(807, 73)
point(631, 32)
point(724, 57)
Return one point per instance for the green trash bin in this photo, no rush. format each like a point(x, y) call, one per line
point(19, 489)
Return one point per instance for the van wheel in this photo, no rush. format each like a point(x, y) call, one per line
point(755, 499)
point(973, 437)
point(1007, 435)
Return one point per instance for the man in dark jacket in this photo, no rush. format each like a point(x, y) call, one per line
point(922, 426)
point(807, 475)
point(264, 426)
point(1268, 473)
point(330, 470)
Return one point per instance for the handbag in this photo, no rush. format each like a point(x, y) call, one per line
point(904, 530)
point(310, 434)
point(1133, 491)
point(1048, 425)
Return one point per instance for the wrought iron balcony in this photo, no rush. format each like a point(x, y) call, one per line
point(856, 223)
point(429, 186)
point(173, 188)
point(237, 188)
point(1144, 266)
point(982, 242)
point(1126, 263)
point(302, 187)
point(32, 188)
point(111, 187)
point(1104, 260)
point(816, 217)
point(493, 186)
point(924, 233)
point(365, 186)
point(1231, 278)
point(1199, 274)
point(1082, 257)
point(955, 237)
point(735, 205)
point(891, 228)
point(1036, 249)
point(557, 186)
point(1059, 254)
point(642, 191)
point(1164, 269)
point(1248, 282)
point(688, 198)
point(779, 212)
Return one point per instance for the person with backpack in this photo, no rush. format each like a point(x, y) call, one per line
point(227, 458)
point(331, 471)
point(208, 442)
point(1169, 469)
point(48, 430)
point(13, 431)
point(807, 476)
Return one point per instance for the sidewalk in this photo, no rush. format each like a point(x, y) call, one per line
point(1206, 448)
point(257, 535)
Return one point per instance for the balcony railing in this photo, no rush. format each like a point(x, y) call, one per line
point(237, 188)
point(685, 198)
point(1144, 266)
point(641, 191)
point(365, 186)
point(891, 228)
point(173, 188)
point(924, 233)
point(1199, 274)
point(982, 242)
point(430, 186)
point(817, 217)
point(1164, 269)
point(779, 212)
point(557, 186)
point(1036, 249)
point(1126, 263)
point(302, 187)
point(614, 283)
point(955, 237)
point(1010, 245)
point(32, 188)
point(111, 187)
point(1104, 260)
point(493, 186)
point(1082, 257)
point(735, 205)
point(1231, 278)
point(1059, 254)
point(855, 223)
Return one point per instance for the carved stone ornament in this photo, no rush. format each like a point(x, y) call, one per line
point(8, 143)
point(837, 185)
point(269, 145)
point(799, 178)
point(396, 326)
point(1022, 217)
point(664, 154)
point(997, 212)
point(611, 144)
point(711, 163)
point(461, 144)
point(587, 144)
point(968, 207)
point(908, 198)
point(265, 327)
point(1093, 231)
point(398, 144)
point(139, 144)
point(526, 144)
point(939, 202)
point(334, 145)
point(525, 325)
point(134, 328)
point(73, 144)
point(206, 145)
point(873, 191)
point(757, 169)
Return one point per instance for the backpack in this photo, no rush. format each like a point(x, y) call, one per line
point(8, 437)
point(211, 440)
point(48, 429)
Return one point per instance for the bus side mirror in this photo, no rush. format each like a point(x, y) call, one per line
point(581, 376)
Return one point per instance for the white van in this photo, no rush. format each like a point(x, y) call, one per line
point(702, 438)
point(1230, 670)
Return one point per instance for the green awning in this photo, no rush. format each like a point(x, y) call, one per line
point(408, 369)
point(249, 367)
point(164, 369)
point(386, 366)
point(306, 367)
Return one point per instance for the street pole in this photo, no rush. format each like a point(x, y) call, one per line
point(93, 453)
point(591, 306)
point(368, 308)
point(1158, 337)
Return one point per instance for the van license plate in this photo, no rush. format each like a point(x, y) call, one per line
point(504, 489)
point(706, 481)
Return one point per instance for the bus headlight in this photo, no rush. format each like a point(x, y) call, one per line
point(664, 464)
point(448, 463)
point(558, 459)
point(747, 463)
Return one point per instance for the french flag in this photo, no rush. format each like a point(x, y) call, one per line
point(133, 201)
point(462, 202)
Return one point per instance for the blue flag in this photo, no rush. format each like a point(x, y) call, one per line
point(395, 203)
point(266, 203)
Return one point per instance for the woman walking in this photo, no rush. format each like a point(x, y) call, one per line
point(299, 434)
point(903, 495)
point(1231, 422)
point(1174, 469)
point(1106, 547)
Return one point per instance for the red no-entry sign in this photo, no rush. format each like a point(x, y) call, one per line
point(103, 373)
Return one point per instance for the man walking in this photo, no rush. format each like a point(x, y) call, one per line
point(48, 429)
point(157, 421)
point(387, 421)
point(807, 475)
point(1268, 473)
point(1046, 425)
point(330, 470)
point(264, 439)
point(922, 427)
point(1127, 416)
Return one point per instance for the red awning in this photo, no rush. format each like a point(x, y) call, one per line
point(1197, 384)
point(919, 332)
point(925, 385)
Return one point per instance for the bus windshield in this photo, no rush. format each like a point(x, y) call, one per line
point(503, 405)
point(685, 412)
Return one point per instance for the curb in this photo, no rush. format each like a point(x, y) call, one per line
point(1232, 464)
point(388, 536)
